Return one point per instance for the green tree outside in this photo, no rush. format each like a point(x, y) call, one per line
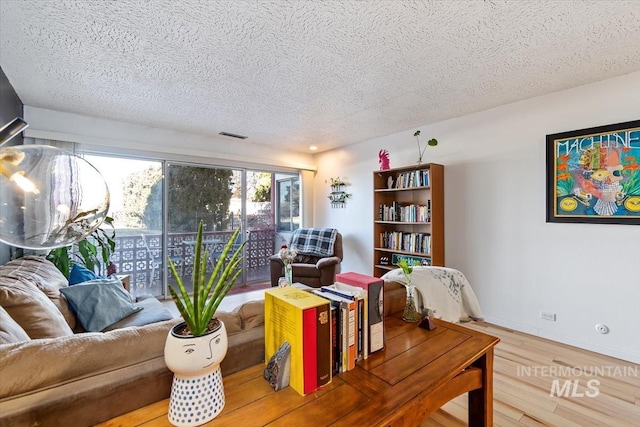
point(262, 191)
point(198, 193)
point(142, 207)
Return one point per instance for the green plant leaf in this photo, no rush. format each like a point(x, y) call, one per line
point(198, 310)
point(101, 241)
point(60, 257)
point(406, 268)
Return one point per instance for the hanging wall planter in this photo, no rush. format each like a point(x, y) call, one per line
point(338, 195)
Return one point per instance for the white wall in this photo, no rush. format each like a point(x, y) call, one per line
point(496, 232)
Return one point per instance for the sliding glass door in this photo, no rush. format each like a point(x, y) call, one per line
point(259, 220)
point(157, 206)
point(200, 194)
point(136, 188)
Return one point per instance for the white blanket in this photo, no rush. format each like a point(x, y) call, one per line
point(444, 291)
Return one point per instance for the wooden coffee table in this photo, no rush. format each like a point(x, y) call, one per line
point(416, 373)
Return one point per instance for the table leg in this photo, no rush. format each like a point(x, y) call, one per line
point(481, 400)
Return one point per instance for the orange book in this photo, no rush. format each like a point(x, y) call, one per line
point(299, 318)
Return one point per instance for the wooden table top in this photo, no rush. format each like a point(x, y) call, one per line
point(415, 372)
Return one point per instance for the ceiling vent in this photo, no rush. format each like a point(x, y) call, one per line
point(232, 135)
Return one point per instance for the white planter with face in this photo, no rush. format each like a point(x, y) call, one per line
point(197, 393)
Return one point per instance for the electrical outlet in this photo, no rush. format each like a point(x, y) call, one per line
point(548, 316)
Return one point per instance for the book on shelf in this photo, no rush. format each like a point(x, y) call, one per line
point(374, 287)
point(404, 241)
point(347, 327)
point(303, 320)
point(412, 179)
point(403, 212)
point(411, 260)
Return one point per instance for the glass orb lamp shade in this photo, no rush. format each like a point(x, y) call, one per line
point(49, 198)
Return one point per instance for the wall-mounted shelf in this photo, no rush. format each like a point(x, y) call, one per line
point(338, 196)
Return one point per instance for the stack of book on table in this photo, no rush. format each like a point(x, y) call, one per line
point(357, 318)
point(329, 329)
point(372, 291)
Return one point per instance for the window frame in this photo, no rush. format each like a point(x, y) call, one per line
point(292, 226)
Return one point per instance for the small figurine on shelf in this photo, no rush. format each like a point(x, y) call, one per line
point(383, 159)
point(431, 143)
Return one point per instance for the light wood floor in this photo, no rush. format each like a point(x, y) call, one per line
point(523, 398)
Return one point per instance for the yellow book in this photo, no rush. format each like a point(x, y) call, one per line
point(302, 319)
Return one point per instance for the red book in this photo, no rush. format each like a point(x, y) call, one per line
point(310, 350)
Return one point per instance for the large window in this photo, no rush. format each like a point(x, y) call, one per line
point(157, 205)
point(136, 188)
point(288, 209)
point(200, 194)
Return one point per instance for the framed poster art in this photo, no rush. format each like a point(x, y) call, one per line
point(593, 175)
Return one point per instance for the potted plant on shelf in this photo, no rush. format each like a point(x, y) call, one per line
point(431, 143)
point(195, 348)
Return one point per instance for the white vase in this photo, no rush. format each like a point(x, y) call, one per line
point(197, 393)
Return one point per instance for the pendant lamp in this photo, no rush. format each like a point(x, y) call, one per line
point(49, 197)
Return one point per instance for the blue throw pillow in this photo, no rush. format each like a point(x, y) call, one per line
point(99, 303)
point(79, 274)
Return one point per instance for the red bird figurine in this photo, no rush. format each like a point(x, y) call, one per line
point(383, 159)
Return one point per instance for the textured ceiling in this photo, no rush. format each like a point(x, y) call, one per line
point(296, 73)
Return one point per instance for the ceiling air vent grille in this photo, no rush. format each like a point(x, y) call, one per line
point(232, 135)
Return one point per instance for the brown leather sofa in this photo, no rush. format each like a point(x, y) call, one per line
point(311, 270)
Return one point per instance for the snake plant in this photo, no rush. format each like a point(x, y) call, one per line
point(198, 309)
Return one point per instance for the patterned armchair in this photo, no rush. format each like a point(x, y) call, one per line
point(311, 266)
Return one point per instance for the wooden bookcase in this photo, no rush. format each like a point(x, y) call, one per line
point(402, 191)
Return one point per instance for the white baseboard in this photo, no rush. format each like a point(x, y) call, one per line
point(618, 353)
